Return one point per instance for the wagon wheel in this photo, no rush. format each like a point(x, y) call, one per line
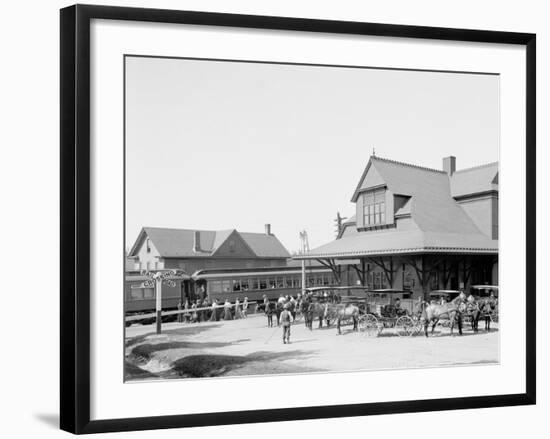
point(405, 326)
point(369, 326)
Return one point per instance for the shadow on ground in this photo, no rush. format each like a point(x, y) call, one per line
point(466, 333)
point(199, 366)
point(143, 352)
point(133, 372)
point(184, 331)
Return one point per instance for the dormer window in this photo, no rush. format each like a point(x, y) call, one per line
point(148, 245)
point(374, 207)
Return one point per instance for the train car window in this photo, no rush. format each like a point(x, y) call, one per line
point(237, 285)
point(288, 282)
point(136, 293)
point(244, 284)
point(297, 282)
point(271, 283)
point(320, 281)
point(226, 286)
point(263, 284)
point(254, 284)
point(280, 282)
point(148, 293)
point(215, 286)
point(310, 281)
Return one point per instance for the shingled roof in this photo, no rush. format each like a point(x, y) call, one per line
point(179, 243)
point(475, 180)
point(441, 225)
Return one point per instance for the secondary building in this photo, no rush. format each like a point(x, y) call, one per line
point(192, 250)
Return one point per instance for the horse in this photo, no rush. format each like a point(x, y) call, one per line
point(433, 312)
point(487, 308)
point(311, 310)
point(473, 309)
point(342, 312)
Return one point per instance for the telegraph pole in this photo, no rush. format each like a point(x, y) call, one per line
point(304, 250)
point(338, 223)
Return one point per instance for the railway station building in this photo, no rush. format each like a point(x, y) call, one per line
point(418, 229)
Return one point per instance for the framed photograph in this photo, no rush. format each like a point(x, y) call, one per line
point(290, 219)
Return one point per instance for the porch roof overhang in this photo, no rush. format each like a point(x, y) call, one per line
point(403, 243)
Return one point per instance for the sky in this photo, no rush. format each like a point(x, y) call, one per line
point(214, 145)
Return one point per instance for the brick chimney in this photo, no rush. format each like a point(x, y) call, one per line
point(449, 165)
point(268, 229)
point(197, 241)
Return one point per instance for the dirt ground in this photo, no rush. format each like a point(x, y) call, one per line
point(249, 347)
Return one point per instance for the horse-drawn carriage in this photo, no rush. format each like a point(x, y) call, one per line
point(487, 296)
point(370, 311)
point(448, 307)
point(387, 309)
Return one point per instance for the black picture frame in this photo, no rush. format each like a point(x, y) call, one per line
point(75, 217)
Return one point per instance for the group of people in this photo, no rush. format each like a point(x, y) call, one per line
point(204, 310)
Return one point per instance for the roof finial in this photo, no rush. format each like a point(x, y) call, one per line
point(373, 152)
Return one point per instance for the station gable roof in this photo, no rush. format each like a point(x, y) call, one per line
point(441, 225)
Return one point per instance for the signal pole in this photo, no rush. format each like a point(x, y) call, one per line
point(339, 220)
point(304, 250)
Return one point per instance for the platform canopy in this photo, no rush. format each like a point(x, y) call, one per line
point(403, 243)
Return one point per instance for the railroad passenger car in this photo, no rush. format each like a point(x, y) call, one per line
point(223, 284)
point(254, 283)
point(140, 299)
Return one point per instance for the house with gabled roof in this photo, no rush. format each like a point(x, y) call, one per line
point(417, 228)
point(191, 250)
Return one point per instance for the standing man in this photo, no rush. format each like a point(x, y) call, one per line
point(245, 307)
point(269, 310)
point(286, 320)
point(180, 315)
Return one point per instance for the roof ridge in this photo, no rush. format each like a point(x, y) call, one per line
point(410, 165)
point(486, 165)
point(184, 230)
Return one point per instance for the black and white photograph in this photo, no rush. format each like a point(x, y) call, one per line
point(285, 218)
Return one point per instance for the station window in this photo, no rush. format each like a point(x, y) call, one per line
point(374, 207)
